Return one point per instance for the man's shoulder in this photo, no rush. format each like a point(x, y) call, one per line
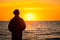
point(21, 18)
point(12, 20)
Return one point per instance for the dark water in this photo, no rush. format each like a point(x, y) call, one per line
point(39, 30)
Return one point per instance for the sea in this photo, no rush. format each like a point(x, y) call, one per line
point(35, 30)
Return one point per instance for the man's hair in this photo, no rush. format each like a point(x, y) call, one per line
point(16, 11)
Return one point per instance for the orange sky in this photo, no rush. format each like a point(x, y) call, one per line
point(31, 10)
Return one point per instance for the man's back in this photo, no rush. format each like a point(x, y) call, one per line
point(16, 26)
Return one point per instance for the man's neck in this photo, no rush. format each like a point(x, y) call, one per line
point(16, 15)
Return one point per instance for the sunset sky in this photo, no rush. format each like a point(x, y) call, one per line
point(31, 10)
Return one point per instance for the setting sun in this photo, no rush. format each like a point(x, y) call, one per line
point(29, 16)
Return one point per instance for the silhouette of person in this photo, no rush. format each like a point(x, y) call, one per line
point(16, 26)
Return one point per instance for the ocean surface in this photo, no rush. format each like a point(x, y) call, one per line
point(35, 30)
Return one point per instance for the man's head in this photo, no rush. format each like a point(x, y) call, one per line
point(16, 12)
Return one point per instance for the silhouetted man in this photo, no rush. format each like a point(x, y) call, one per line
point(16, 26)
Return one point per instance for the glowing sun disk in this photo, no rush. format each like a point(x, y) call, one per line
point(29, 16)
